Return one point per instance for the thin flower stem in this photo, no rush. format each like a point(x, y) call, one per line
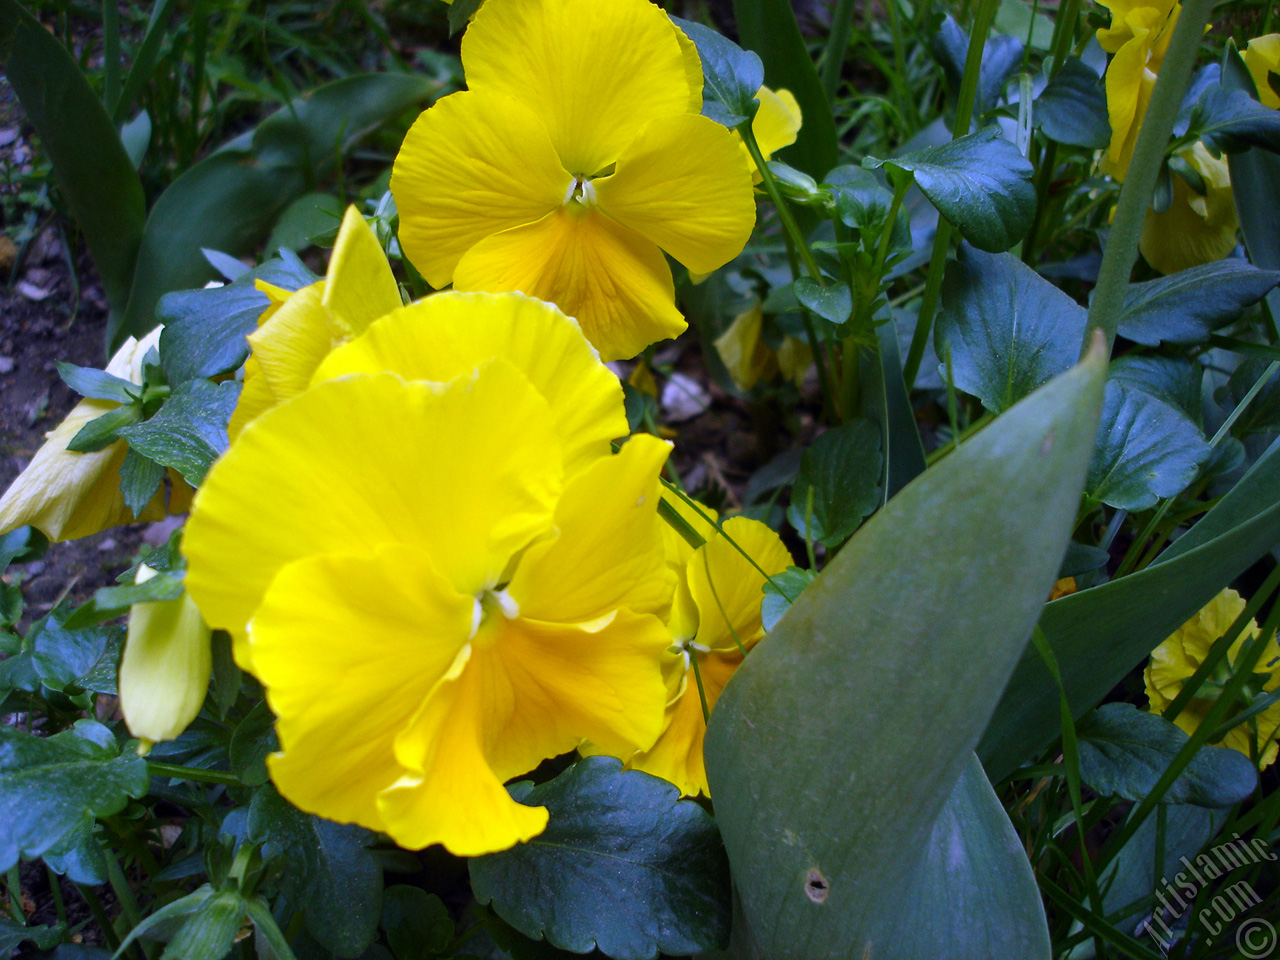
point(780, 204)
point(1140, 180)
point(697, 678)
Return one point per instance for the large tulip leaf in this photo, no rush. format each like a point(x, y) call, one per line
point(93, 169)
point(863, 704)
point(230, 200)
point(1099, 635)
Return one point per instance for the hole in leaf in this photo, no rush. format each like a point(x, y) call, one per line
point(816, 887)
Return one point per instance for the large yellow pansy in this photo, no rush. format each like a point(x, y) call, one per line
point(574, 158)
point(432, 606)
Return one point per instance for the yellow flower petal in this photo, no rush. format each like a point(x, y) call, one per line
point(1120, 31)
point(1195, 229)
point(607, 552)
point(777, 122)
point(745, 354)
point(469, 473)
point(692, 69)
point(684, 185)
point(349, 648)
point(67, 495)
point(450, 334)
point(594, 72)
point(166, 665)
point(1262, 57)
point(472, 165)
point(727, 587)
point(612, 280)
point(359, 286)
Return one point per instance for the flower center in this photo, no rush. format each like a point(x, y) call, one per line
point(491, 602)
point(580, 192)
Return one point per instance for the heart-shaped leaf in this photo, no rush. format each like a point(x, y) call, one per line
point(730, 75)
point(190, 431)
point(1072, 108)
point(1187, 306)
point(838, 483)
point(831, 301)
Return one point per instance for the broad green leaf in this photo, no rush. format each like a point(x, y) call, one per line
point(769, 28)
point(13, 935)
point(1124, 751)
point(204, 330)
point(1146, 450)
point(103, 431)
point(1001, 59)
point(1099, 635)
point(97, 384)
point(140, 478)
point(417, 923)
point(861, 201)
point(460, 11)
point(1072, 108)
point(1018, 18)
point(730, 75)
point(306, 221)
point(73, 660)
point(838, 483)
point(883, 675)
point(79, 856)
point(108, 603)
point(190, 430)
point(980, 182)
point(1187, 306)
point(52, 786)
point(973, 895)
point(253, 740)
point(230, 200)
point(624, 865)
point(831, 301)
point(210, 931)
point(97, 178)
point(1008, 329)
point(1228, 119)
point(1175, 381)
point(779, 592)
point(1254, 174)
point(331, 872)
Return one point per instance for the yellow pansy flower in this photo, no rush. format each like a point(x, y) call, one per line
point(67, 495)
point(166, 666)
point(299, 329)
point(1181, 655)
point(1262, 57)
point(749, 359)
point(1138, 37)
point(776, 125)
point(715, 617)
point(576, 156)
point(1195, 229)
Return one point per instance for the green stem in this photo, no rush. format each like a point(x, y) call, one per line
point(1140, 180)
point(110, 55)
point(13, 885)
point(192, 773)
point(100, 916)
point(55, 891)
point(1044, 176)
point(1064, 31)
point(908, 106)
point(784, 212)
point(837, 47)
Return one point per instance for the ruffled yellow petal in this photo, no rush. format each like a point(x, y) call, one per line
point(692, 69)
point(166, 665)
point(349, 648)
point(67, 495)
point(777, 122)
point(745, 354)
point(594, 72)
point(612, 280)
point(1195, 229)
point(727, 587)
point(448, 335)
point(1130, 80)
point(684, 185)
point(468, 472)
point(607, 553)
point(1262, 57)
point(474, 164)
point(1120, 32)
point(359, 286)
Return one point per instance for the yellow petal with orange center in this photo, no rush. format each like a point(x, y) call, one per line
point(594, 73)
point(613, 281)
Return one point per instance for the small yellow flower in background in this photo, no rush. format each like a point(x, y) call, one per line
point(432, 603)
point(1138, 37)
point(576, 156)
point(749, 359)
point(1195, 229)
point(1181, 655)
point(166, 666)
point(67, 495)
point(1262, 57)
point(776, 125)
point(298, 330)
point(715, 617)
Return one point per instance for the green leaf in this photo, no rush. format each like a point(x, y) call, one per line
point(1175, 381)
point(1124, 751)
point(95, 174)
point(780, 591)
point(1008, 329)
point(305, 221)
point(460, 12)
point(1146, 450)
point(75, 660)
point(841, 469)
point(190, 430)
point(417, 923)
point(253, 740)
point(861, 202)
point(330, 873)
point(832, 302)
point(100, 433)
point(730, 75)
point(769, 28)
point(1254, 174)
point(883, 675)
point(97, 384)
point(1187, 306)
point(1263, 414)
point(973, 891)
point(1229, 120)
point(79, 856)
point(1001, 59)
point(230, 200)
point(1072, 108)
point(51, 786)
point(140, 478)
point(210, 932)
point(886, 401)
point(979, 182)
point(1099, 635)
point(13, 935)
point(204, 330)
point(107, 603)
point(624, 865)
